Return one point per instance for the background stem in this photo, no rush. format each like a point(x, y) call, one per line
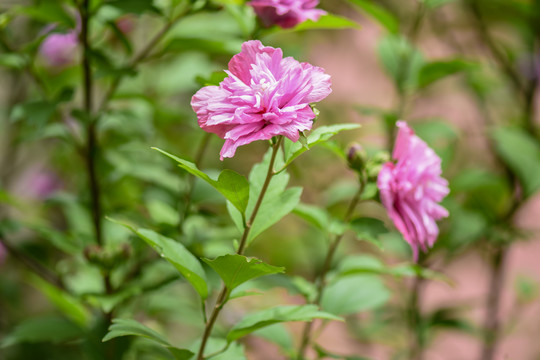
point(224, 293)
point(321, 279)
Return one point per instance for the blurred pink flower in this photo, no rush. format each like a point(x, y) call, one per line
point(265, 95)
point(411, 189)
point(60, 50)
point(38, 183)
point(286, 13)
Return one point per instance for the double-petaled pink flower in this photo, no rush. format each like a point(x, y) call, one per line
point(265, 95)
point(411, 189)
point(286, 13)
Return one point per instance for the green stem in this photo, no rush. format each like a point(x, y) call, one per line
point(191, 179)
point(140, 57)
point(224, 293)
point(321, 279)
point(491, 321)
point(416, 343)
point(403, 75)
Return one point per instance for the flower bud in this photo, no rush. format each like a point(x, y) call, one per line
point(356, 157)
point(375, 164)
point(105, 258)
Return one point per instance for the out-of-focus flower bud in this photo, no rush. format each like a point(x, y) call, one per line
point(375, 164)
point(60, 50)
point(356, 157)
point(107, 259)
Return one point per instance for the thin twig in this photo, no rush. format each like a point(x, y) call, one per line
point(224, 293)
point(140, 57)
point(321, 279)
point(33, 265)
point(191, 178)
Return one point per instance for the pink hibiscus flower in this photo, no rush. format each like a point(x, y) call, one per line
point(412, 188)
point(286, 13)
point(265, 95)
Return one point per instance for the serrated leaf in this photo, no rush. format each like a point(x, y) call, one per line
point(380, 14)
point(275, 315)
point(236, 269)
point(233, 186)
point(521, 153)
point(176, 254)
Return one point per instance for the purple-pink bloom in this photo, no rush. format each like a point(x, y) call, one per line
point(286, 13)
point(411, 189)
point(265, 95)
point(60, 50)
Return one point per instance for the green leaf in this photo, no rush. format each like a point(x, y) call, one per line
point(47, 11)
point(329, 22)
point(369, 229)
point(13, 61)
point(237, 269)
point(134, 6)
point(175, 253)
point(208, 46)
point(410, 270)
point(436, 70)
point(162, 213)
point(273, 209)
point(181, 354)
point(314, 215)
point(230, 184)
point(234, 351)
point(365, 264)
point(66, 303)
point(521, 152)
point(275, 315)
point(380, 14)
point(317, 136)
point(401, 61)
point(433, 4)
point(277, 201)
point(213, 80)
point(42, 329)
point(36, 113)
point(278, 334)
point(129, 327)
point(355, 293)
